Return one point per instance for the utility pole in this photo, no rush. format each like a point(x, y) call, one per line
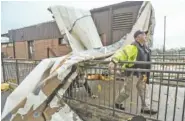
point(164, 44)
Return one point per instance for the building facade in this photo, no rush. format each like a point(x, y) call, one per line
point(35, 42)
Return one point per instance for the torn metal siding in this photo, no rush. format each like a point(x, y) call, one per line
point(118, 5)
point(80, 25)
point(44, 100)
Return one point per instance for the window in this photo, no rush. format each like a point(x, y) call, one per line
point(7, 45)
point(62, 41)
point(4, 45)
point(30, 49)
point(10, 44)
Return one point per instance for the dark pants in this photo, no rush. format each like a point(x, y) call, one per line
point(148, 77)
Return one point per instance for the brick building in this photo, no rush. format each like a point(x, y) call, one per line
point(7, 49)
point(33, 42)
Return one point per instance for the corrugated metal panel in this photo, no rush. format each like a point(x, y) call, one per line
point(122, 21)
point(102, 22)
point(118, 5)
point(46, 30)
point(130, 12)
point(118, 22)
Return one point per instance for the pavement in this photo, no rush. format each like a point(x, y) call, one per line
point(104, 91)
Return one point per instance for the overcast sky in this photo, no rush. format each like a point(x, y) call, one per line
point(19, 14)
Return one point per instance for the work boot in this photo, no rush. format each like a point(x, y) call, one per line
point(119, 106)
point(147, 110)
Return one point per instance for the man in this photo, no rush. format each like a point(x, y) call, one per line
point(137, 51)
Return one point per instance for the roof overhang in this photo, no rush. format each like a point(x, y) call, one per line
point(5, 35)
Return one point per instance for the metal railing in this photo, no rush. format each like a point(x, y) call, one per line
point(99, 87)
point(15, 70)
point(169, 57)
point(167, 85)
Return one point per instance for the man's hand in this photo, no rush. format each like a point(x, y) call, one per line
point(144, 78)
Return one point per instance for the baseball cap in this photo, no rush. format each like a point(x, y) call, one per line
point(139, 32)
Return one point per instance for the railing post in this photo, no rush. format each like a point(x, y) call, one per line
point(179, 55)
point(17, 71)
point(114, 92)
point(3, 69)
point(183, 108)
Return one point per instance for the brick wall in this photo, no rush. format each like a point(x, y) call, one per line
point(21, 49)
point(7, 50)
point(40, 49)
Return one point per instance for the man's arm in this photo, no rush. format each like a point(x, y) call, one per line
point(131, 52)
point(128, 53)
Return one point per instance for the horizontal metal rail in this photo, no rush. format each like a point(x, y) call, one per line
point(168, 55)
point(140, 70)
point(135, 62)
point(21, 59)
